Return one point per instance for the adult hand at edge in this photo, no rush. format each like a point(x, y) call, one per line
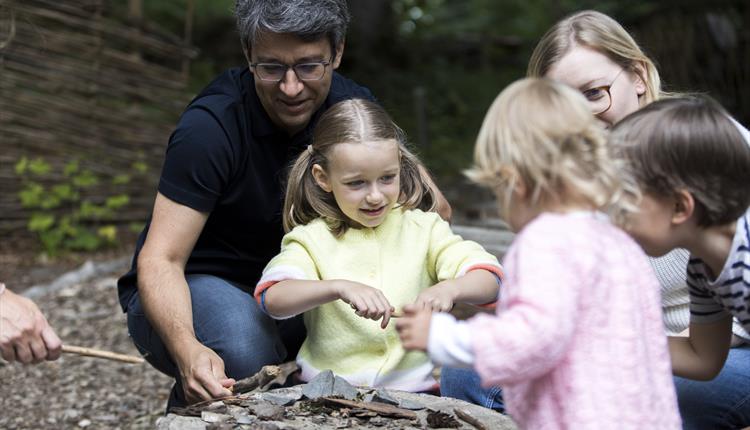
point(202, 374)
point(25, 334)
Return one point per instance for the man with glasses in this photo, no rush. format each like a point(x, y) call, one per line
point(217, 216)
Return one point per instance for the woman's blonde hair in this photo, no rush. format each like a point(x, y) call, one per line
point(349, 121)
point(543, 133)
point(601, 33)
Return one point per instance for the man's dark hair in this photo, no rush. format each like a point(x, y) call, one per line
point(306, 19)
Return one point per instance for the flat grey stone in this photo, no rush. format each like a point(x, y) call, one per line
point(410, 404)
point(344, 389)
point(382, 396)
point(213, 417)
point(319, 386)
point(280, 400)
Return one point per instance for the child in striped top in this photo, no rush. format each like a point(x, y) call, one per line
point(692, 162)
point(578, 340)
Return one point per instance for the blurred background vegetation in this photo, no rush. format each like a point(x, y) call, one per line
point(436, 65)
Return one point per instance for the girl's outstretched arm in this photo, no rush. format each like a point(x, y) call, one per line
point(475, 287)
point(291, 297)
point(701, 356)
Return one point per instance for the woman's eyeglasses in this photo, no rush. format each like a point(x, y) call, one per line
point(600, 98)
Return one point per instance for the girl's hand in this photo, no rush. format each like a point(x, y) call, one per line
point(414, 328)
point(367, 302)
point(439, 298)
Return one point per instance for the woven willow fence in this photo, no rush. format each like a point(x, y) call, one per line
point(77, 86)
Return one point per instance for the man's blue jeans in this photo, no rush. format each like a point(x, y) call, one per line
point(229, 321)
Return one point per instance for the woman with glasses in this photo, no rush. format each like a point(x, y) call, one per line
point(594, 54)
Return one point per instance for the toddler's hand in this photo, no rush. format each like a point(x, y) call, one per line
point(414, 328)
point(367, 302)
point(439, 298)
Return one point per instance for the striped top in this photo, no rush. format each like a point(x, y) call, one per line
point(729, 293)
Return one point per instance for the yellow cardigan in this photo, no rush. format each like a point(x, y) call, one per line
point(409, 252)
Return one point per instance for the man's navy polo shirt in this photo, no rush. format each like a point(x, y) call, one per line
point(227, 158)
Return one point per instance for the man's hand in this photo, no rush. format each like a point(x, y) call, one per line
point(202, 373)
point(367, 302)
point(25, 335)
point(414, 328)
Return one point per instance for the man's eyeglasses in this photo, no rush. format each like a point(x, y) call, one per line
point(600, 98)
point(275, 72)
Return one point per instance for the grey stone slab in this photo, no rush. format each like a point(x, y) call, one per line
point(344, 389)
point(320, 386)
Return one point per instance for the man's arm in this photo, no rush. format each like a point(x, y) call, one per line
point(165, 297)
point(701, 356)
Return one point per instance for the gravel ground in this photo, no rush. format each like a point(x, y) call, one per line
point(80, 392)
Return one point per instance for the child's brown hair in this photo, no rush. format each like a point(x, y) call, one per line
point(688, 143)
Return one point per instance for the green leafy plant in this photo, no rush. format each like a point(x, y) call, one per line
point(63, 217)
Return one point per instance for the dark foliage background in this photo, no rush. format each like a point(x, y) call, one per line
point(435, 64)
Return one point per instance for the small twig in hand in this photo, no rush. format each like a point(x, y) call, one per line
point(97, 353)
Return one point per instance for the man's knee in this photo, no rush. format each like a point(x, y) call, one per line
point(229, 321)
point(245, 352)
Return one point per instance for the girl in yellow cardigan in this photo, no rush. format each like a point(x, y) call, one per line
point(358, 247)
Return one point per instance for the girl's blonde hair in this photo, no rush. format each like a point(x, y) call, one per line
point(601, 33)
point(544, 134)
point(349, 121)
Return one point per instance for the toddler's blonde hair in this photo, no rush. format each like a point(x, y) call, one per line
point(544, 134)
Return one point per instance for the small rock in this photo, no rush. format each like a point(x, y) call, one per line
point(268, 411)
point(245, 419)
point(344, 423)
point(381, 396)
point(319, 386)
point(344, 389)
point(411, 405)
point(318, 419)
point(213, 417)
point(219, 426)
point(281, 400)
point(84, 423)
point(71, 414)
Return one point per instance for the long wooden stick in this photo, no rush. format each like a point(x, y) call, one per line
point(89, 352)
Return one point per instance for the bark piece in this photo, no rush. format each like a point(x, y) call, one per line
point(439, 419)
point(381, 409)
point(267, 378)
point(469, 418)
